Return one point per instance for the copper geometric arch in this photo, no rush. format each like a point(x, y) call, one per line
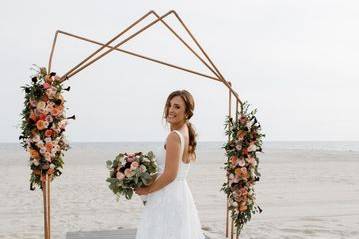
point(88, 61)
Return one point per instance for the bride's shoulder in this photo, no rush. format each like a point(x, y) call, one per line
point(173, 137)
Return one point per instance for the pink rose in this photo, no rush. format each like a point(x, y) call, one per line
point(46, 85)
point(127, 172)
point(252, 147)
point(134, 165)
point(243, 119)
point(244, 191)
point(241, 163)
point(252, 161)
point(120, 175)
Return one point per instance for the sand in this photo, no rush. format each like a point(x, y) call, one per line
point(305, 193)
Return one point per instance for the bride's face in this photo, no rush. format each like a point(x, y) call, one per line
point(176, 111)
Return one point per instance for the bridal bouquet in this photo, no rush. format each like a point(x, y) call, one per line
point(43, 123)
point(131, 170)
point(242, 165)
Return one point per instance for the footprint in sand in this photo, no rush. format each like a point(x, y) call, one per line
point(206, 228)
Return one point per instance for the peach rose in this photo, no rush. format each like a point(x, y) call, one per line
point(127, 172)
point(120, 175)
point(48, 147)
point(233, 159)
point(244, 173)
point(55, 112)
point(240, 134)
point(238, 171)
point(34, 154)
point(41, 124)
point(244, 191)
point(242, 208)
point(33, 116)
point(50, 171)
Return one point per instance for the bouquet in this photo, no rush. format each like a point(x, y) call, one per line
point(131, 170)
point(43, 123)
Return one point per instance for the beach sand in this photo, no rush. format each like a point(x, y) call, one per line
point(304, 193)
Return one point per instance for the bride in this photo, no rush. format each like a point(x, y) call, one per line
point(170, 211)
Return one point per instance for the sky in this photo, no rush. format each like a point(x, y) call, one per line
point(295, 61)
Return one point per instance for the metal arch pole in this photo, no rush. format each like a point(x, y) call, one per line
point(45, 201)
point(229, 138)
point(72, 73)
point(138, 55)
point(48, 180)
point(106, 45)
point(101, 48)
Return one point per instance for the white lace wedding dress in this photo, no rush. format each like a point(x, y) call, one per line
point(170, 213)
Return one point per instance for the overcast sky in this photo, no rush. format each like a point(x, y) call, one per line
point(296, 61)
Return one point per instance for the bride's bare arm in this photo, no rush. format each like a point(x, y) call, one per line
point(171, 164)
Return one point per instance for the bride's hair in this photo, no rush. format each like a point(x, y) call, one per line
point(189, 107)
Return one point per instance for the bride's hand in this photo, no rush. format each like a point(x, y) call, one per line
point(142, 190)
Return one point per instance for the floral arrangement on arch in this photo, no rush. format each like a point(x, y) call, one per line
point(245, 140)
point(131, 170)
point(42, 124)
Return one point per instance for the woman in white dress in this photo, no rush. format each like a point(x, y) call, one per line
point(170, 211)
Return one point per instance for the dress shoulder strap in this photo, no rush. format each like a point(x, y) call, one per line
point(182, 142)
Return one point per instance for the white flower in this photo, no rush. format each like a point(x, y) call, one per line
point(52, 166)
point(249, 124)
point(47, 156)
point(241, 163)
point(48, 139)
point(49, 118)
point(236, 179)
point(51, 92)
point(36, 162)
point(62, 124)
point(41, 105)
point(40, 144)
point(143, 168)
point(46, 124)
point(36, 138)
point(42, 150)
point(239, 146)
